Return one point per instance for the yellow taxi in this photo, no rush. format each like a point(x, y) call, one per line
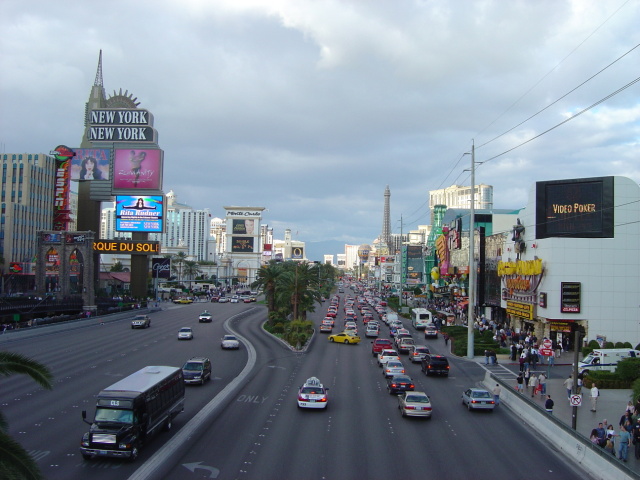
point(344, 337)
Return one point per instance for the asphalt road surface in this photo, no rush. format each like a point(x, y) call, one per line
point(261, 433)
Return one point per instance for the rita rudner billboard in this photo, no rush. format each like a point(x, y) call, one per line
point(135, 213)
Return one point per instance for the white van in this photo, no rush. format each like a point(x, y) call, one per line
point(420, 318)
point(391, 317)
point(606, 359)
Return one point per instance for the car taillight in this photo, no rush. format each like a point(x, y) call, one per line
point(412, 386)
point(323, 399)
point(393, 385)
point(301, 398)
point(409, 407)
point(403, 370)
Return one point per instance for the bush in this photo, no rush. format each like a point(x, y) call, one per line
point(629, 369)
point(619, 345)
point(608, 345)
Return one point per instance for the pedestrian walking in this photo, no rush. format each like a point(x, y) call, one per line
point(521, 361)
point(520, 382)
point(542, 383)
point(624, 441)
point(548, 405)
point(595, 393)
point(568, 384)
point(635, 438)
point(496, 394)
point(527, 377)
point(552, 359)
point(533, 383)
point(580, 382)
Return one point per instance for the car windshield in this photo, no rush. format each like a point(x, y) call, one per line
point(477, 394)
point(185, 330)
point(113, 415)
point(417, 399)
point(394, 365)
point(194, 366)
point(229, 337)
point(422, 350)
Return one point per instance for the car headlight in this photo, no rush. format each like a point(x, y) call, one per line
point(124, 446)
point(85, 443)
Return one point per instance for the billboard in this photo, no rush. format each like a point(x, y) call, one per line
point(244, 226)
point(90, 164)
point(137, 169)
point(242, 244)
point(578, 208)
point(297, 253)
point(161, 268)
point(135, 213)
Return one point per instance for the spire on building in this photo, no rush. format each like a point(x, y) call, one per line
point(98, 81)
point(386, 220)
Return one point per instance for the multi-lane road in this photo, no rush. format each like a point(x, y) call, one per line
point(258, 432)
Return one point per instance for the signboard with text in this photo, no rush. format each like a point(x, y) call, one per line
point(139, 213)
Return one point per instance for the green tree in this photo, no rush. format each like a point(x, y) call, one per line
point(177, 263)
point(191, 269)
point(15, 462)
point(117, 267)
point(298, 285)
point(267, 280)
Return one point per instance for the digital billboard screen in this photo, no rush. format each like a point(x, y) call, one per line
point(135, 213)
point(90, 164)
point(137, 169)
point(242, 244)
point(579, 208)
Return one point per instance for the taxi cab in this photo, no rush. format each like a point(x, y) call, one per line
point(312, 394)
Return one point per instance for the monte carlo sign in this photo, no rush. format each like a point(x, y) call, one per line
point(121, 125)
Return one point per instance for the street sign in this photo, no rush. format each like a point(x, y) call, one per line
point(575, 400)
point(546, 349)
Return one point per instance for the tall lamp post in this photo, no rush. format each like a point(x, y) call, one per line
point(472, 266)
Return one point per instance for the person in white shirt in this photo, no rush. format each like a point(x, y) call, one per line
point(595, 393)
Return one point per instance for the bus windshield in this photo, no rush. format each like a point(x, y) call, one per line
point(113, 415)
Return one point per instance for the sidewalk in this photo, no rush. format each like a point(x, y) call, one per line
point(610, 407)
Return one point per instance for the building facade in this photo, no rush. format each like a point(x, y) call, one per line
point(28, 184)
point(573, 261)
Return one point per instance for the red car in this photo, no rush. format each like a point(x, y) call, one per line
point(380, 344)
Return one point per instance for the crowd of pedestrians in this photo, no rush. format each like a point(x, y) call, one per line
point(619, 441)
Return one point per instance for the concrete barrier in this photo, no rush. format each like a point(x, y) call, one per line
point(576, 447)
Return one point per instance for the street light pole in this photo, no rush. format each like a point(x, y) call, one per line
point(472, 267)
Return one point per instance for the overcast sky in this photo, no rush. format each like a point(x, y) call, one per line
point(310, 108)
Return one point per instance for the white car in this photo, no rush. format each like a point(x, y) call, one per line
point(372, 331)
point(185, 333)
point(387, 354)
point(230, 342)
point(312, 394)
point(235, 299)
point(223, 300)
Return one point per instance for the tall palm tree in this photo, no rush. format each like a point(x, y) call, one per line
point(15, 462)
point(191, 270)
point(267, 279)
point(177, 262)
point(298, 286)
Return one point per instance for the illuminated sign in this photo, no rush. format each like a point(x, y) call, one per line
point(15, 267)
point(90, 164)
point(580, 208)
point(570, 297)
point(244, 226)
point(242, 244)
point(242, 214)
point(63, 157)
point(133, 247)
point(297, 253)
point(522, 310)
point(161, 267)
point(135, 213)
point(137, 169)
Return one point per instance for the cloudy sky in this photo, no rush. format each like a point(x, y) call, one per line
point(310, 108)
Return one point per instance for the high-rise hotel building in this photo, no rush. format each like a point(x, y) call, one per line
point(28, 183)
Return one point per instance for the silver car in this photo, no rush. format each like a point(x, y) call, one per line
point(417, 353)
point(393, 367)
point(478, 398)
point(414, 404)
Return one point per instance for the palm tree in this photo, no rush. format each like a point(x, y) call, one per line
point(267, 279)
point(191, 269)
point(15, 462)
point(177, 262)
point(298, 286)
